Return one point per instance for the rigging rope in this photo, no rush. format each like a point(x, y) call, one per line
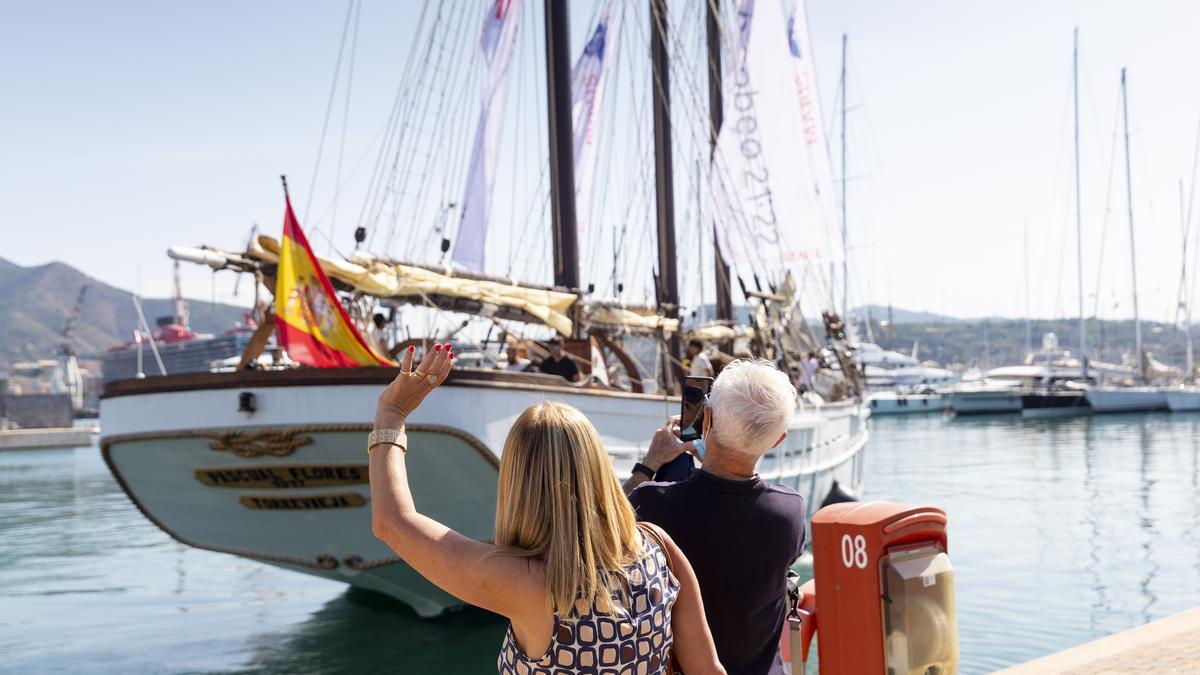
point(337, 70)
point(337, 183)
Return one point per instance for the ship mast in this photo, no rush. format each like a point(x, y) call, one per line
point(1079, 217)
point(716, 115)
point(845, 236)
point(562, 162)
point(668, 285)
point(1137, 324)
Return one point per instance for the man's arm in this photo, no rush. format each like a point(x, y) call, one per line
point(664, 447)
point(635, 479)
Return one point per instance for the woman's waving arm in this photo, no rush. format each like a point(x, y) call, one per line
point(465, 568)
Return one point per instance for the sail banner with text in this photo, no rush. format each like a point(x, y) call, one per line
point(587, 106)
point(312, 325)
point(771, 182)
point(499, 35)
point(804, 75)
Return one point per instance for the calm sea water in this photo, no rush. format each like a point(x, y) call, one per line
point(1061, 531)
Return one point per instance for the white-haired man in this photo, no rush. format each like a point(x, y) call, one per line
point(739, 532)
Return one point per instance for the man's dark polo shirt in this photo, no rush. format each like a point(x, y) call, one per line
point(740, 537)
point(563, 367)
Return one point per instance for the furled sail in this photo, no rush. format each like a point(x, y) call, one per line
point(387, 279)
point(499, 35)
point(771, 180)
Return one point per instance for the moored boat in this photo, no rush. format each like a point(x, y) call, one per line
point(904, 403)
point(1061, 403)
point(271, 465)
point(1003, 396)
point(1183, 399)
point(1105, 399)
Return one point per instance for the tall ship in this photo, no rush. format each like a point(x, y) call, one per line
point(267, 460)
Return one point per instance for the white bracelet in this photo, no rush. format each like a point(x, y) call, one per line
point(392, 436)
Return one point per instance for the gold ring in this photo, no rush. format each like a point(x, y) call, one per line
point(433, 379)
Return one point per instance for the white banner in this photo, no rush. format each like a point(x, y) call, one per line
point(771, 210)
point(819, 164)
point(499, 35)
point(587, 106)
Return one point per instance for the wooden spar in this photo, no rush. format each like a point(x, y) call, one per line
point(716, 115)
point(668, 286)
point(562, 161)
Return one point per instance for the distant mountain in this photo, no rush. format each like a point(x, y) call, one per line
point(998, 342)
point(899, 316)
point(35, 302)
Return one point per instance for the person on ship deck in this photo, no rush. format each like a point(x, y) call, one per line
point(700, 365)
point(558, 362)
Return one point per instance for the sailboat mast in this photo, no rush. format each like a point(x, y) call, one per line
point(1028, 322)
point(1079, 215)
point(716, 116)
point(845, 239)
point(562, 162)
point(1137, 324)
point(1189, 295)
point(1183, 283)
point(668, 292)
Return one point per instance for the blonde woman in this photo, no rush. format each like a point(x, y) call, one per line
point(584, 589)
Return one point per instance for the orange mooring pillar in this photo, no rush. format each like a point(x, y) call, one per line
point(884, 590)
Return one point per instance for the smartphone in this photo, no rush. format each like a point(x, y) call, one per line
point(691, 407)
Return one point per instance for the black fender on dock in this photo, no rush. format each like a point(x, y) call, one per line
point(838, 495)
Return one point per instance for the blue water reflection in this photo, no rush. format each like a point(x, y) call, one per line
point(1061, 531)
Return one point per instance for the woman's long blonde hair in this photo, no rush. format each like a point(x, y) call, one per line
point(559, 500)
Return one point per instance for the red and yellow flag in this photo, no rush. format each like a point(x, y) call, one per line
point(313, 326)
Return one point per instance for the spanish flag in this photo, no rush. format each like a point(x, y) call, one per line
point(313, 326)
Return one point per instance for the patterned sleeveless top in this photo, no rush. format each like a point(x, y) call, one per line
point(635, 640)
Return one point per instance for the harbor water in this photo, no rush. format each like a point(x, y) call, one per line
point(1061, 531)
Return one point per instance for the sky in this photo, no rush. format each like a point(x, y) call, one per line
point(128, 127)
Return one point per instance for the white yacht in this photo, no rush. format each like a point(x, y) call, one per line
point(1000, 390)
point(1126, 399)
point(905, 402)
point(1183, 398)
point(988, 396)
point(885, 368)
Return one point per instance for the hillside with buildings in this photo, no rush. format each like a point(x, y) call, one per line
point(36, 301)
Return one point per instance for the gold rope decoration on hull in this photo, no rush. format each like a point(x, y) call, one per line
point(272, 442)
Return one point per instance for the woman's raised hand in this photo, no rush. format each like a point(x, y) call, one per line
point(413, 384)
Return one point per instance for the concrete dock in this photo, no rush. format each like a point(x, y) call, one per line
point(1170, 645)
point(28, 439)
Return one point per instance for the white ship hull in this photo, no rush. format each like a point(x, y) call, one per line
point(287, 483)
point(894, 403)
point(1126, 399)
point(1183, 399)
point(985, 401)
